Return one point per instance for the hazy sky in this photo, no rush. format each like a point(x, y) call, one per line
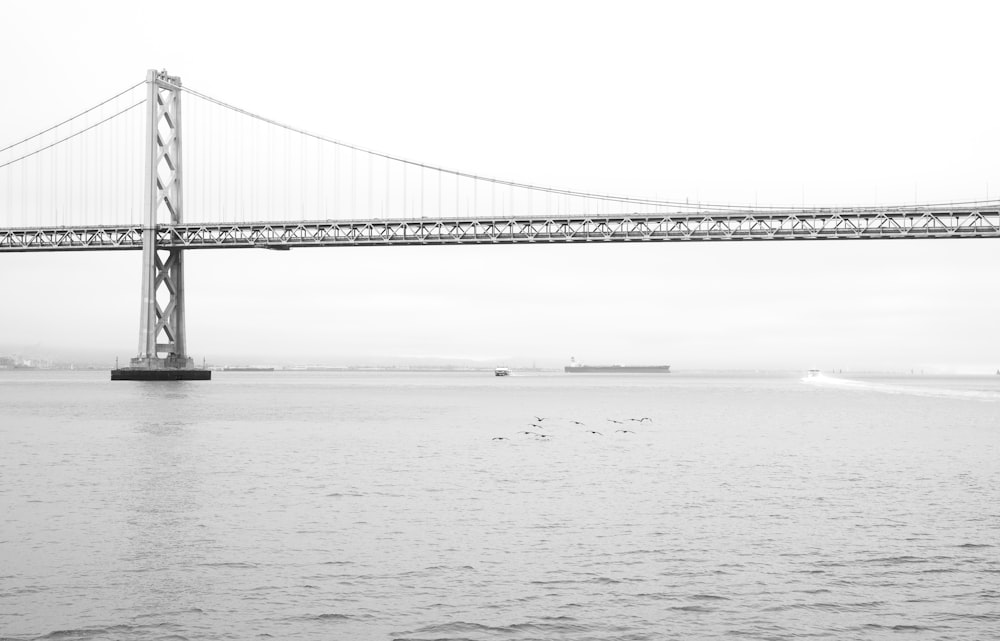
point(846, 103)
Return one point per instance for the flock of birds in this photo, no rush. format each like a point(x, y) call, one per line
point(554, 420)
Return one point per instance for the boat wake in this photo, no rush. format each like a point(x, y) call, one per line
point(821, 380)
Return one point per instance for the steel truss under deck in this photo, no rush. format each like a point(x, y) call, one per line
point(832, 224)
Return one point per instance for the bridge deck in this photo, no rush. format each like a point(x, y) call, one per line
point(811, 224)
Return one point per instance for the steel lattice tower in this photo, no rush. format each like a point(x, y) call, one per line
point(162, 343)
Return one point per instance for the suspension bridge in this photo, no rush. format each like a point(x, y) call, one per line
point(120, 176)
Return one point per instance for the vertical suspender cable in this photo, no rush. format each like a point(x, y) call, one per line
point(320, 205)
point(38, 191)
point(211, 180)
point(101, 175)
point(285, 181)
point(212, 171)
point(127, 168)
point(338, 189)
point(22, 206)
point(235, 164)
point(255, 163)
point(302, 177)
point(82, 162)
point(220, 178)
point(244, 198)
point(203, 178)
point(94, 175)
point(269, 167)
point(227, 161)
point(246, 180)
point(9, 211)
point(241, 196)
point(52, 183)
point(116, 169)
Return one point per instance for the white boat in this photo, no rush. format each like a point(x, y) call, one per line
point(501, 371)
point(813, 373)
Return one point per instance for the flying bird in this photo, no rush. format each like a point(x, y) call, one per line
point(614, 421)
point(625, 431)
point(594, 432)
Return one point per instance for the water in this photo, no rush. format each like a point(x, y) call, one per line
point(378, 506)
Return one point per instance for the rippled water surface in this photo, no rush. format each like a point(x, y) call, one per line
point(380, 506)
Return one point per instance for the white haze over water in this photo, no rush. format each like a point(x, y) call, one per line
point(971, 388)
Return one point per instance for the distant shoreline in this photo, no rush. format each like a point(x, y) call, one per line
point(443, 369)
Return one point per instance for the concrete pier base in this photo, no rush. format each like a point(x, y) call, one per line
point(129, 374)
point(172, 368)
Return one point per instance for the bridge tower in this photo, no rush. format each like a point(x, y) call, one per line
point(162, 341)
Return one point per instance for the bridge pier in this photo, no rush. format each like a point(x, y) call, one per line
point(162, 270)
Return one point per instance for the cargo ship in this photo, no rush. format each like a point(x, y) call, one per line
point(576, 368)
point(247, 369)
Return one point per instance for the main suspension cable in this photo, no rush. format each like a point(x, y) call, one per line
point(71, 136)
point(82, 113)
point(454, 172)
point(700, 207)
